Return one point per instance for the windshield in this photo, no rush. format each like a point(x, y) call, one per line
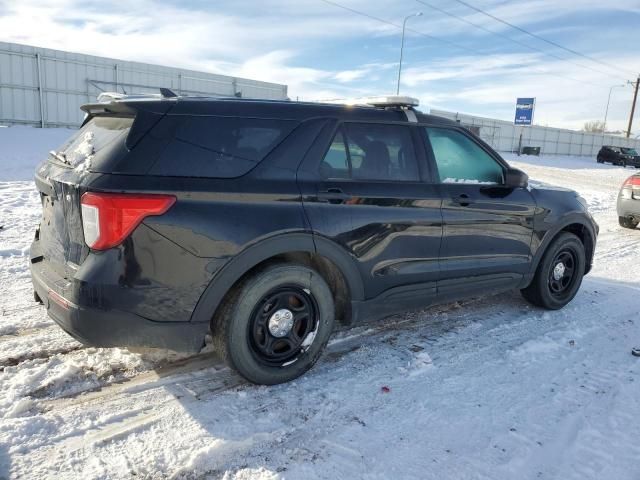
point(629, 151)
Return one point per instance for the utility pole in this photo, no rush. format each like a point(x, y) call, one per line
point(633, 105)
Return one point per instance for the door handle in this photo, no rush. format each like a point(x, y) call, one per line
point(333, 195)
point(462, 200)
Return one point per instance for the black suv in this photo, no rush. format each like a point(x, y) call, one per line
point(619, 156)
point(266, 222)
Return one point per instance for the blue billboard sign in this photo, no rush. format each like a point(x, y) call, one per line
point(524, 111)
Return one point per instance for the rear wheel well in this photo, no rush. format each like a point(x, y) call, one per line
point(325, 267)
point(585, 237)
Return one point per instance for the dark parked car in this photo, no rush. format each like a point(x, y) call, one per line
point(619, 156)
point(266, 222)
point(629, 202)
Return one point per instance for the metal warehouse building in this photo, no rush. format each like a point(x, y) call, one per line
point(504, 136)
point(45, 88)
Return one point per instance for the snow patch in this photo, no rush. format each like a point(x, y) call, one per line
point(21, 406)
point(509, 392)
point(85, 150)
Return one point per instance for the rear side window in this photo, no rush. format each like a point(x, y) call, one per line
point(461, 160)
point(220, 147)
point(89, 144)
point(371, 152)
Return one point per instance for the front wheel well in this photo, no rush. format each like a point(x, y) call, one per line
point(325, 267)
point(583, 233)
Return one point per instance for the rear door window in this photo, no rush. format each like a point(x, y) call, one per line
point(220, 147)
point(379, 152)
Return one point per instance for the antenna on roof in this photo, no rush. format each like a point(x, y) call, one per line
point(167, 93)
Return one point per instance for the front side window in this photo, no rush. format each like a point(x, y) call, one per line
point(371, 152)
point(460, 160)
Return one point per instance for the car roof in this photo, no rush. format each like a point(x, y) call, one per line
point(277, 109)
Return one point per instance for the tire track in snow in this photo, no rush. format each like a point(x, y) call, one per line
point(168, 373)
point(201, 378)
point(37, 355)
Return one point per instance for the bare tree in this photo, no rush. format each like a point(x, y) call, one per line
point(596, 126)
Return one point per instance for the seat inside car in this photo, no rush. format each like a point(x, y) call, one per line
point(375, 164)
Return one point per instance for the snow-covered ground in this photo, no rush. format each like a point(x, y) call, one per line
point(489, 389)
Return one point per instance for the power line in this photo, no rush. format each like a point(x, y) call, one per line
point(550, 42)
point(397, 25)
point(442, 40)
point(462, 19)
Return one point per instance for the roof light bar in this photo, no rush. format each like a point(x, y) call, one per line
point(385, 101)
point(393, 101)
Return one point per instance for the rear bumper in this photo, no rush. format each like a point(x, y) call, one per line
point(628, 207)
point(111, 328)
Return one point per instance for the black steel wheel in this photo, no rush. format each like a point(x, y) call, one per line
point(273, 326)
point(562, 273)
point(559, 273)
point(282, 324)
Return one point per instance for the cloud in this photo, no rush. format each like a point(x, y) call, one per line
point(490, 88)
point(351, 75)
point(321, 51)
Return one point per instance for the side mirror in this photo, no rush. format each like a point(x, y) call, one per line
point(515, 178)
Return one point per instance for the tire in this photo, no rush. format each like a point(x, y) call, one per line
point(544, 291)
point(627, 222)
point(244, 331)
point(599, 160)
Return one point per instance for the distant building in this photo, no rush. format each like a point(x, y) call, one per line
point(45, 88)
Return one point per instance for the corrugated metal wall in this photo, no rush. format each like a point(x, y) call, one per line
point(44, 87)
point(504, 136)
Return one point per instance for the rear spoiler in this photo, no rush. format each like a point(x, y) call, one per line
point(116, 108)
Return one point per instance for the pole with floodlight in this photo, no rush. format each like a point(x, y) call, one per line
point(606, 112)
point(404, 26)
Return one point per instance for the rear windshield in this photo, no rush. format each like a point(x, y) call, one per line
point(99, 134)
point(222, 147)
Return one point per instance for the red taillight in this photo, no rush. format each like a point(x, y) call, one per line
point(109, 218)
point(632, 181)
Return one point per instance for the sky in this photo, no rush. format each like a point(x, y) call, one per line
point(475, 65)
